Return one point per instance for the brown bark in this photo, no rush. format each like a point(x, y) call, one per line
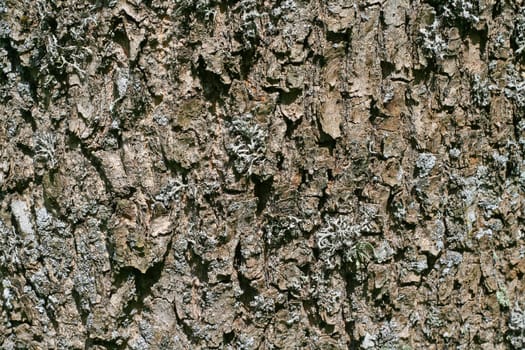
point(262, 174)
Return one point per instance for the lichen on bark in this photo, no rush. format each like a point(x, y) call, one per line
point(262, 174)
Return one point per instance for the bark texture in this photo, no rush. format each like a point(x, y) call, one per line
point(276, 174)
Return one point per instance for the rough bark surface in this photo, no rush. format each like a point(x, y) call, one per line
point(275, 174)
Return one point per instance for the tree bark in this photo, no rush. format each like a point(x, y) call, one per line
point(262, 174)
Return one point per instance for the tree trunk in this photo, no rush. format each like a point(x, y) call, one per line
point(208, 174)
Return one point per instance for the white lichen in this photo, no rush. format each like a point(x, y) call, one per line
point(465, 10)
point(432, 43)
point(515, 87)
point(480, 91)
point(341, 236)
point(519, 32)
point(425, 163)
point(45, 148)
point(171, 191)
point(517, 326)
point(248, 146)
